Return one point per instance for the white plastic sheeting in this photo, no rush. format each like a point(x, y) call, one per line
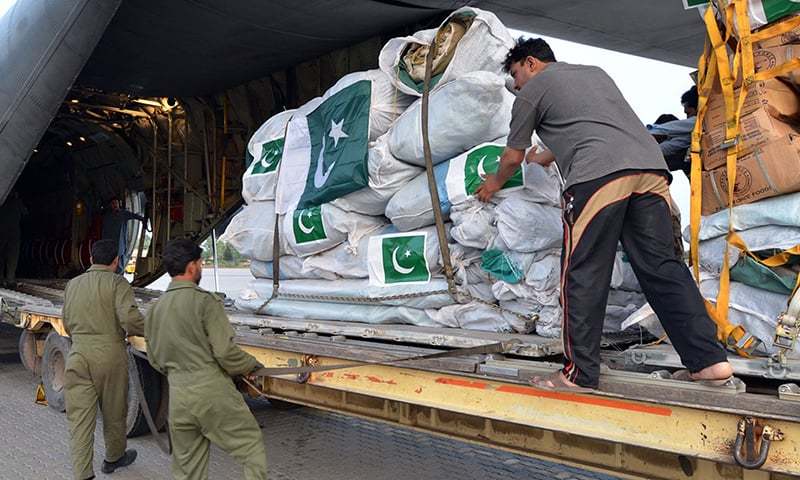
point(337, 224)
point(387, 176)
point(359, 288)
point(550, 317)
point(465, 112)
point(483, 47)
point(778, 211)
point(479, 316)
point(251, 231)
point(350, 259)
point(529, 227)
point(386, 101)
point(757, 239)
point(258, 182)
point(291, 267)
point(376, 314)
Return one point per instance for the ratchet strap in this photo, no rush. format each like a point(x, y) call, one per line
point(163, 444)
point(499, 347)
point(714, 65)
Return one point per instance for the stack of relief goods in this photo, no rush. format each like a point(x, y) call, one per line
point(356, 222)
point(766, 215)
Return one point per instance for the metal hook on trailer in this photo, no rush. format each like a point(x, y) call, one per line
point(746, 437)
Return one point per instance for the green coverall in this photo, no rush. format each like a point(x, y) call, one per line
point(99, 309)
point(11, 213)
point(190, 340)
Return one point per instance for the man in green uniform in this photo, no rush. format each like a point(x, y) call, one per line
point(11, 213)
point(99, 309)
point(190, 340)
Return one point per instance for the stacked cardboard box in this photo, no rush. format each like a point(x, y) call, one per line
point(768, 170)
point(769, 147)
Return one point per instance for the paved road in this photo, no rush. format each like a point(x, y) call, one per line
point(302, 444)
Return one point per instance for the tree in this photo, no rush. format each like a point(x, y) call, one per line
point(227, 253)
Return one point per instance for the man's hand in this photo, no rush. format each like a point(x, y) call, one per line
point(543, 158)
point(488, 188)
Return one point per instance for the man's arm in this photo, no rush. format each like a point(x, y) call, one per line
point(543, 158)
point(231, 358)
point(675, 127)
point(509, 163)
point(128, 314)
point(148, 322)
point(132, 216)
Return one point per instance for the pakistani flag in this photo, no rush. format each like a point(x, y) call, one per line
point(467, 172)
point(269, 159)
point(761, 12)
point(485, 161)
point(307, 225)
point(398, 258)
point(338, 132)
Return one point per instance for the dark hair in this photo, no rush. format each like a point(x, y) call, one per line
point(528, 47)
point(105, 251)
point(664, 118)
point(177, 255)
point(689, 97)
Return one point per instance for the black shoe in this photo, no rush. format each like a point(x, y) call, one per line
point(127, 459)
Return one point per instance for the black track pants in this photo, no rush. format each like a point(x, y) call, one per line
point(634, 207)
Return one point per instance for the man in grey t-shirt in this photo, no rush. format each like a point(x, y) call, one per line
point(615, 190)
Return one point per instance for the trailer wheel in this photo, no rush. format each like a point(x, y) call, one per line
point(54, 362)
point(139, 368)
point(27, 353)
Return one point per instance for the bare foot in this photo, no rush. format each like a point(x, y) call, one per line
point(557, 381)
point(718, 371)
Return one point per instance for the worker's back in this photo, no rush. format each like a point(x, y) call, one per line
point(580, 114)
point(100, 304)
point(188, 333)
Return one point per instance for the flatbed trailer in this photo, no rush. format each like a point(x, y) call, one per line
point(638, 425)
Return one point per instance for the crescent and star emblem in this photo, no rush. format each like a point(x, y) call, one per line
point(396, 265)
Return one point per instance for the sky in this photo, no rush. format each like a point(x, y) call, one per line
point(651, 87)
point(5, 5)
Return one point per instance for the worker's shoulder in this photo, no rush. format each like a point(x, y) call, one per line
point(198, 293)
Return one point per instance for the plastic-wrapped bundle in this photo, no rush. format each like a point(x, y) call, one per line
point(251, 231)
point(316, 229)
point(465, 112)
point(479, 316)
point(469, 40)
point(528, 227)
point(387, 176)
point(325, 154)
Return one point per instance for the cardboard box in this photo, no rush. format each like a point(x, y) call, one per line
point(775, 93)
point(769, 170)
point(790, 37)
point(771, 57)
point(756, 128)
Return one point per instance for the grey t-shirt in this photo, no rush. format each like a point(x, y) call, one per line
point(582, 117)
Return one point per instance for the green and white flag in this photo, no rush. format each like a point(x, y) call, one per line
point(325, 156)
point(398, 258)
point(307, 225)
point(269, 159)
point(468, 171)
point(762, 12)
point(264, 153)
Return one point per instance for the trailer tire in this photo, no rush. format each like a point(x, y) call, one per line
point(27, 353)
point(140, 370)
point(54, 361)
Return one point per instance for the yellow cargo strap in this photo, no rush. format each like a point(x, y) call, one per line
point(734, 336)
